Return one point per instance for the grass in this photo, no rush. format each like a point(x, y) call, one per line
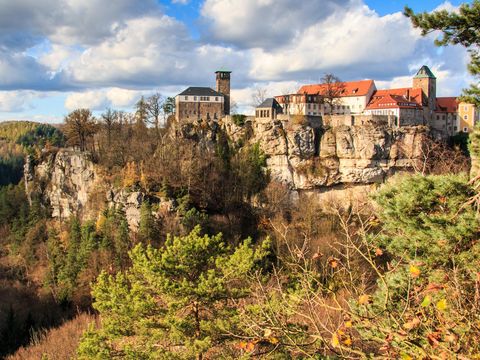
point(56, 344)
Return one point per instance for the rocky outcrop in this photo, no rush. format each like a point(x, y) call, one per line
point(306, 157)
point(65, 181)
point(302, 156)
point(70, 184)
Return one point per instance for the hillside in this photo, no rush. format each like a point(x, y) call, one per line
point(19, 138)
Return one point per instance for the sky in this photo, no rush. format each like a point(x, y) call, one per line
point(60, 55)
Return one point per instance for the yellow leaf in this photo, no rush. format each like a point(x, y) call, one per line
point(405, 357)
point(267, 333)
point(347, 341)
point(348, 324)
point(363, 299)
point(335, 342)
point(273, 340)
point(442, 305)
point(414, 271)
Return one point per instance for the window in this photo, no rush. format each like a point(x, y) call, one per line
point(208, 98)
point(465, 129)
point(465, 108)
point(186, 97)
point(465, 117)
point(194, 98)
point(216, 98)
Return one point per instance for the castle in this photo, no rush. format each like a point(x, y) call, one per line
point(342, 103)
point(204, 103)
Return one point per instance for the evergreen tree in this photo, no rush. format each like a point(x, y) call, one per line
point(425, 305)
point(458, 27)
point(177, 302)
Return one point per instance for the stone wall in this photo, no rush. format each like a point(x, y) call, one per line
point(191, 111)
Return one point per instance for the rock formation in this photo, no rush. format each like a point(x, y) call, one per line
point(304, 157)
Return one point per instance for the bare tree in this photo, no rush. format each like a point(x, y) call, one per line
point(109, 118)
point(154, 106)
point(331, 93)
point(259, 96)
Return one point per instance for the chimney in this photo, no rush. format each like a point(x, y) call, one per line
point(408, 94)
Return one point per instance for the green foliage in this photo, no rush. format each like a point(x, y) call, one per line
point(148, 228)
point(13, 130)
point(239, 119)
point(41, 135)
point(11, 170)
point(68, 261)
point(425, 210)
point(425, 305)
point(176, 302)
point(458, 27)
point(252, 173)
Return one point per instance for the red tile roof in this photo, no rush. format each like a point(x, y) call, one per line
point(447, 104)
point(351, 88)
point(387, 100)
point(411, 94)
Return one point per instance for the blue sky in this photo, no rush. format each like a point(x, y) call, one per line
point(58, 55)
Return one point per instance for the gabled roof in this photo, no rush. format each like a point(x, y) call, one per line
point(392, 99)
point(350, 88)
point(424, 72)
point(447, 104)
point(268, 103)
point(411, 94)
point(200, 91)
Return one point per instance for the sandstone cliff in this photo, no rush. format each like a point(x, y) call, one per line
point(304, 157)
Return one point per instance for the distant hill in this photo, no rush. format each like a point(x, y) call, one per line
point(12, 130)
point(17, 138)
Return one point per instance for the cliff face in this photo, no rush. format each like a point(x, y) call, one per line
point(303, 157)
point(65, 181)
point(306, 157)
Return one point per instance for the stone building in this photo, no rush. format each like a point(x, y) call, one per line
point(204, 103)
point(468, 116)
point(268, 110)
point(403, 105)
point(350, 98)
point(445, 120)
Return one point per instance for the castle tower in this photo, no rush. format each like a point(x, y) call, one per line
point(426, 81)
point(223, 87)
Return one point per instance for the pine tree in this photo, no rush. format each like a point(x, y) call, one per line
point(177, 302)
point(458, 27)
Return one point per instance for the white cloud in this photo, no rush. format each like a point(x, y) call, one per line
point(16, 101)
point(181, 2)
point(265, 23)
point(101, 99)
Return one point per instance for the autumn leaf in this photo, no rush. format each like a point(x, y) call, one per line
point(250, 347)
point(273, 340)
point(333, 262)
point(335, 342)
point(348, 324)
point(348, 341)
point(442, 305)
point(414, 271)
point(364, 299)
point(378, 252)
point(411, 324)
